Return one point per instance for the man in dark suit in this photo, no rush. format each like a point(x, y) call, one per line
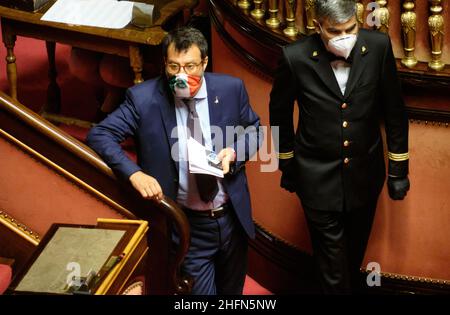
point(344, 80)
point(162, 114)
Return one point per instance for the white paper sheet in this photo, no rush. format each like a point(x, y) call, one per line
point(198, 162)
point(99, 13)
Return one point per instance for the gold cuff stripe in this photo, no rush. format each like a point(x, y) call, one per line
point(285, 156)
point(398, 156)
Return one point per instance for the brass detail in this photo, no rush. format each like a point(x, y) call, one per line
point(383, 16)
point(344, 106)
point(346, 160)
point(285, 156)
point(291, 30)
point(346, 143)
point(436, 26)
point(128, 250)
point(409, 20)
point(345, 124)
point(67, 120)
point(398, 157)
point(244, 4)
point(315, 53)
point(388, 275)
point(139, 260)
point(19, 229)
point(310, 6)
point(273, 22)
point(258, 12)
point(363, 49)
point(360, 14)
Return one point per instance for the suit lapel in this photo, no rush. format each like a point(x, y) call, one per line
point(323, 68)
point(168, 115)
point(215, 111)
point(325, 72)
point(358, 65)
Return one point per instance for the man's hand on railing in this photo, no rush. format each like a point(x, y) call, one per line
point(147, 186)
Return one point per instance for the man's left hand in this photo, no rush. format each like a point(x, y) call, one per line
point(398, 187)
point(227, 156)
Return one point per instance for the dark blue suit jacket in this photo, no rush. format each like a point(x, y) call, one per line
point(148, 115)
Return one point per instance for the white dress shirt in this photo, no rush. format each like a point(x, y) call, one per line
point(341, 71)
point(188, 195)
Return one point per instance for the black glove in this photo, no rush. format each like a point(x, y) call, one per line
point(289, 177)
point(398, 187)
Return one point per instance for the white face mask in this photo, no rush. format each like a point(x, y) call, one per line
point(342, 45)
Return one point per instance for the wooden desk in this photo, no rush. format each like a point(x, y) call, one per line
point(131, 42)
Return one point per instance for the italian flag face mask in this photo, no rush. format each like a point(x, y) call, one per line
point(185, 85)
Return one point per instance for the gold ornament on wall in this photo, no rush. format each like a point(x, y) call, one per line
point(310, 8)
point(291, 29)
point(436, 26)
point(382, 14)
point(244, 4)
point(258, 12)
point(409, 20)
point(360, 14)
point(273, 22)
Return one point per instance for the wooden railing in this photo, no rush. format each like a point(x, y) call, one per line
point(68, 156)
point(416, 27)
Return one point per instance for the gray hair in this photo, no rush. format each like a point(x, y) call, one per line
point(338, 11)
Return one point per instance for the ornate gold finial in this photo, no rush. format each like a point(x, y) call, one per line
point(273, 22)
point(310, 8)
point(409, 19)
point(244, 4)
point(436, 26)
point(291, 29)
point(382, 14)
point(360, 14)
point(258, 12)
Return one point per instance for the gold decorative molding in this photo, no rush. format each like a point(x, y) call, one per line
point(395, 276)
point(360, 14)
point(429, 123)
point(382, 14)
point(20, 229)
point(272, 235)
point(244, 4)
point(135, 240)
point(408, 20)
point(291, 29)
point(436, 26)
point(310, 8)
point(258, 12)
point(386, 275)
point(273, 22)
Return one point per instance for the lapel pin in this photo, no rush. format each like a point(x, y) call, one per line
point(363, 49)
point(315, 53)
point(216, 101)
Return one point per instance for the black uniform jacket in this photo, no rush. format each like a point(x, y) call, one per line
point(336, 155)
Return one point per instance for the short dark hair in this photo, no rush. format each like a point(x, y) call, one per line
point(183, 38)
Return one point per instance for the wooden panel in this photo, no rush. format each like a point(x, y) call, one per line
point(13, 245)
point(62, 165)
